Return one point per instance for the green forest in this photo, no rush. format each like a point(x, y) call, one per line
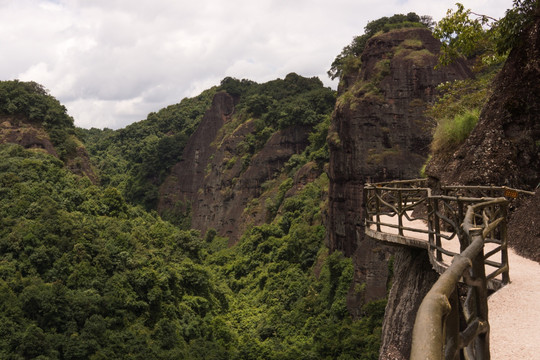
point(90, 270)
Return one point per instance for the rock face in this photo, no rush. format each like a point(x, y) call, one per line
point(414, 277)
point(31, 135)
point(215, 182)
point(378, 133)
point(188, 175)
point(504, 148)
point(524, 228)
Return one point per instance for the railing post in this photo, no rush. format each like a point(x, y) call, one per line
point(504, 245)
point(377, 208)
point(463, 240)
point(430, 221)
point(437, 228)
point(400, 212)
point(451, 328)
point(479, 348)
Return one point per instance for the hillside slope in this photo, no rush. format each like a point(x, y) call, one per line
point(245, 140)
point(32, 118)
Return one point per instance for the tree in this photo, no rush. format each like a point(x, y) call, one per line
point(356, 47)
point(464, 33)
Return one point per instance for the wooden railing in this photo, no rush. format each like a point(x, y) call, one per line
point(448, 325)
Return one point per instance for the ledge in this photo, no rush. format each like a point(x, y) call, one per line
point(396, 239)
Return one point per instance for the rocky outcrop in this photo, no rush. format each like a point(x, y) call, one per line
point(32, 135)
point(379, 132)
point(217, 180)
point(524, 228)
point(80, 164)
point(412, 280)
point(188, 175)
point(504, 148)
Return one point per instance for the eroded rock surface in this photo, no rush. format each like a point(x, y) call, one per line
point(378, 133)
point(32, 135)
point(216, 181)
point(504, 147)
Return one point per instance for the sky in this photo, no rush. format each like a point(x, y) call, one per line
point(112, 62)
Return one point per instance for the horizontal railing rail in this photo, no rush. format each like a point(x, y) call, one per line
point(448, 324)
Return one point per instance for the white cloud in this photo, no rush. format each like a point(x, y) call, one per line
point(111, 62)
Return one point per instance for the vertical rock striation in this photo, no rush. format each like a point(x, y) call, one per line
point(412, 280)
point(214, 183)
point(186, 177)
point(379, 132)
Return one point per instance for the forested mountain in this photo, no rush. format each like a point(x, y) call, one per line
point(89, 275)
point(227, 226)
point(93, 272)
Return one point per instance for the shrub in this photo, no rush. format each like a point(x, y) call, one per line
point(451, 132)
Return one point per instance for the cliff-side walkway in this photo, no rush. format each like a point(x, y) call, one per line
point(407, 213)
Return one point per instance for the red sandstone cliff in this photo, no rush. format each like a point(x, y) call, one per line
point(214, 183)
point(379, 132)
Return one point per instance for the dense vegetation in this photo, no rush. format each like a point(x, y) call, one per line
point(349, 58)
point(31, 101)
point(282, 103)
point(87, 275)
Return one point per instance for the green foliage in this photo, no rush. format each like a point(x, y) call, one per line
point(464, 33)
point(31, 101)
point(280, 309)
point(349, 58)
point(282, 103)
point(277, 105)
point(514, 23)
point(136, 159)
point(85, 275)
point(451, 132)
point(457, 109)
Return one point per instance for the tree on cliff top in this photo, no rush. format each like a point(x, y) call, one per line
point(466, 33)
point(384, 24)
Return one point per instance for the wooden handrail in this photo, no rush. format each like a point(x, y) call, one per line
point(437, 331)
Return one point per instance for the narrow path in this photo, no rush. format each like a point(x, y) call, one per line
point(514, 310)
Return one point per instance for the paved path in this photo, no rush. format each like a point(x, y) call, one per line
point(514, 310)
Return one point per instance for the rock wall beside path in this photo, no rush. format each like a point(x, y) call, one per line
point(379, 132)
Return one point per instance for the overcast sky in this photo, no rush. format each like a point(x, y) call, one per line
point(111, 62)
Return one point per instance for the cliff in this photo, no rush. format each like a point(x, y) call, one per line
point(224, 165)
point(504, 147)
point(379, 132)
